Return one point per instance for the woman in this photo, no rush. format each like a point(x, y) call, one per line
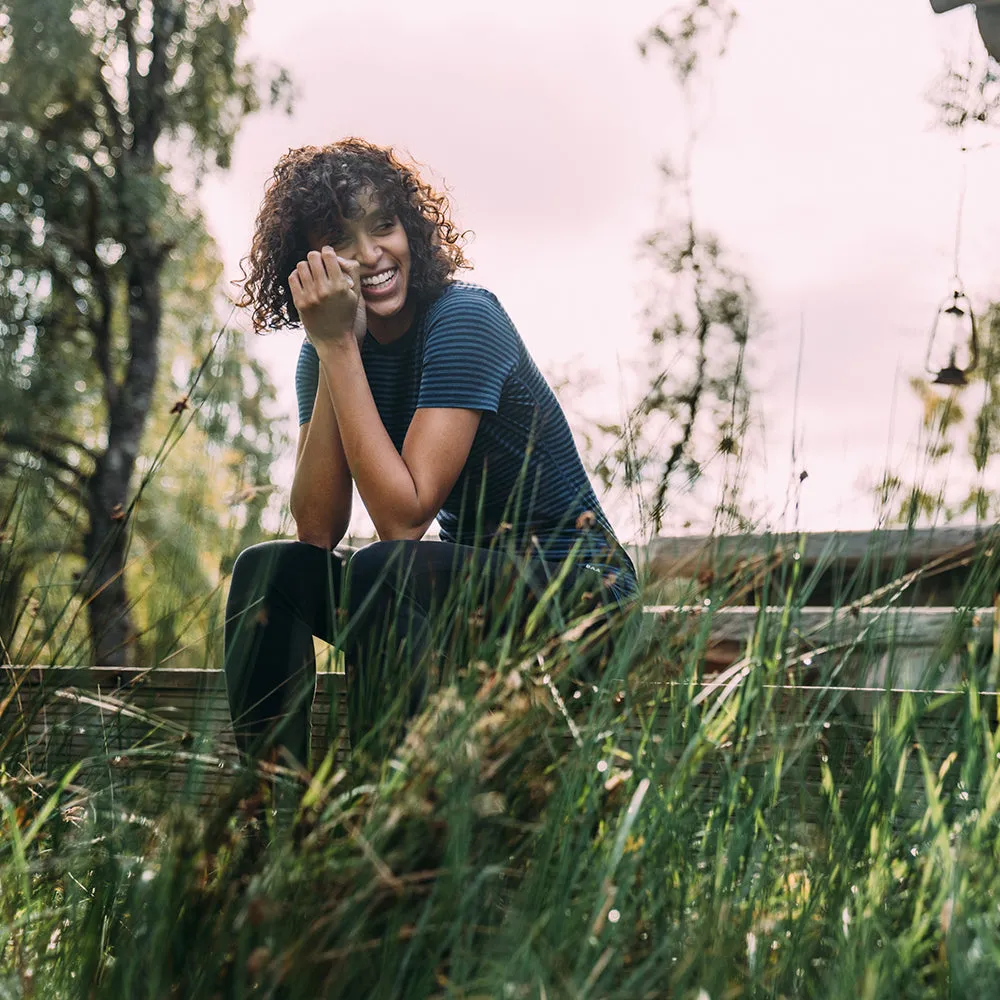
point(418, 389)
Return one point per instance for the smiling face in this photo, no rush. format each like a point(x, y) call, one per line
point(378, 242)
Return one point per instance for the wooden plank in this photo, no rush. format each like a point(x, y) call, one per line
point(206, 777)
point(921, 627)
point(131, 702)
point(688, 557)
point(831, 559)
point(103, 714)
point(879, 625)
point(178, 702)
point(681, 555)
point(113, 678)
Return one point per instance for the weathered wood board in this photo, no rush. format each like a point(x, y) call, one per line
point(172, 725)
point(836, 567)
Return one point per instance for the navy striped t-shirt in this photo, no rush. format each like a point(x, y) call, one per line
point(523, 480)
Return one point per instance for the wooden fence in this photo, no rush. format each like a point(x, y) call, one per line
point(162, 721)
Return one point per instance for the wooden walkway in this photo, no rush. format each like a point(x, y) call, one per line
point(173, 724)
point(837, 567)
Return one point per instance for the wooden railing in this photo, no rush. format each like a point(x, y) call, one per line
point(937, 564)
point(162, 720)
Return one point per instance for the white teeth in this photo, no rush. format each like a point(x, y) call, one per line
point(379, 279)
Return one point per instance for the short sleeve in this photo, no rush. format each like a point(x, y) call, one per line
point(306, 381)
point(470, 349)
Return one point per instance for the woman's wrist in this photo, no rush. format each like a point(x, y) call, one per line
point(334, 350)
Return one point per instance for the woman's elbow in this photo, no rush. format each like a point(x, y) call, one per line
point(321, 541)
point(314, 531)
point(401, 531)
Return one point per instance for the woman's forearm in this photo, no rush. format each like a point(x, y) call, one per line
point(384, 481)
point(322, 489)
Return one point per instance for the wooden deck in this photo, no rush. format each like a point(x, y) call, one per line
point(172, 725)
point(946, 566)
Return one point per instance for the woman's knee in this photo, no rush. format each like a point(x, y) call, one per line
point(280, 562)
point(381, 553)
point(378, 563)
point(267, 555)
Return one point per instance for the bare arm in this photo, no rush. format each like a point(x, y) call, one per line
point(402, 493)
point(322, 489)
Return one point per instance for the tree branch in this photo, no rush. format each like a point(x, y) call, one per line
point(168, 20)
point(70, 490)
point(26, 442)
point(85, 248)
point(132, 73)
point(57, 438)
point(110, 108)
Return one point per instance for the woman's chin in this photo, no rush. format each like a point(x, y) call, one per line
point(382, 309)
point(389, 319)
point(385, 307)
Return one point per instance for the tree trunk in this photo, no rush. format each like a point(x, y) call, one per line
point(12, 576)
point(112, 630)
point(114, 638)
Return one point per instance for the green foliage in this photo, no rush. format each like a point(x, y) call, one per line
point(546, 829)
point(695, 408)
point(967, 101)
point(961, 430)
point(122, 68)
point(110, 305)
point(689, 33)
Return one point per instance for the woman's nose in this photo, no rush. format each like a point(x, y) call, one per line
point(367, 251)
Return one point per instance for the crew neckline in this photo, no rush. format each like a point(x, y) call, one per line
point(400, 344)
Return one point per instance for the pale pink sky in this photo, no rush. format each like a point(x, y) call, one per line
point(817, 165)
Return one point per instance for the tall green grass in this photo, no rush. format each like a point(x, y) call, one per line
point(560, 821)
point(565, 818)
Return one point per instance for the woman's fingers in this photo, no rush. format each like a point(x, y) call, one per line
point(322, 276)
point(352, 272)
point(295, 285)
point(317, 270)
point(304, 277)
point(310, 279)
point(334, 265)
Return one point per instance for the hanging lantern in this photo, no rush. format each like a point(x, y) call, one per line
point(954, 330)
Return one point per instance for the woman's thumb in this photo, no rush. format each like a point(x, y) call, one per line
point(353, 271)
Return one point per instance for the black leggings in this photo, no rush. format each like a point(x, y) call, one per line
point(391, 608)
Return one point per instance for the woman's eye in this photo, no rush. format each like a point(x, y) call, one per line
point(385, 226)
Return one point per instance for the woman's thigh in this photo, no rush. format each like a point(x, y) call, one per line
point(459, 581)
point(289, 576)
point(341, 592)
point(435, 575)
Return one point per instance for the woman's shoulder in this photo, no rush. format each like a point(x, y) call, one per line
point(463, 307)
point(466, 328)
point(459, 293)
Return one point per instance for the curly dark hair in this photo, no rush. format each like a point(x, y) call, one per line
point(311, 192)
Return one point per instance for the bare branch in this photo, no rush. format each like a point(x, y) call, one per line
point(26, 442)
point(110, 107)
point(133, 78)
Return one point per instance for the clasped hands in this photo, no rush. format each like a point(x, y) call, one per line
point(326, 291)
